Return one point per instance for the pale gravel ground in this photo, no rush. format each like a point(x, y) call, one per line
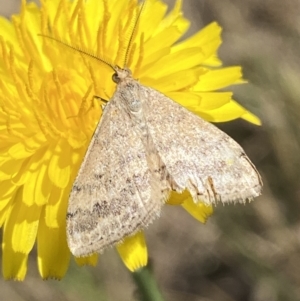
point(244, 252)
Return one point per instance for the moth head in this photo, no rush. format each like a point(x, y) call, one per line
point(120, 74)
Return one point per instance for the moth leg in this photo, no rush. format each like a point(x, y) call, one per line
point(104, 101)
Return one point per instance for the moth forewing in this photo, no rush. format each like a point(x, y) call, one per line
point(120, 187)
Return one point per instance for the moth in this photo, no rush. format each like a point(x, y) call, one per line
point(144, 147)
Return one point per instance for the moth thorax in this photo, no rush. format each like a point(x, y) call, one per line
point(134, 104)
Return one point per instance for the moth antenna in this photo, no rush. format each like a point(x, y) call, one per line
point(133, 32)
point(80, 50)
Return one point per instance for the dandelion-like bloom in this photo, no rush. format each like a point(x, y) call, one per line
point(48, 112)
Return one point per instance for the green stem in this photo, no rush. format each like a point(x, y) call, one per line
point(147, 285)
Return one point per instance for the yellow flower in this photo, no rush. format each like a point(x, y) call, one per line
point(48, 113)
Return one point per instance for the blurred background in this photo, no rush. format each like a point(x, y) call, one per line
point(243, 253)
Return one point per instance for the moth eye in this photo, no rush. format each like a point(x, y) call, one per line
point(115, 78)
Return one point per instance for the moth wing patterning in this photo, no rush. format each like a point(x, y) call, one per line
point(115, 193)
point(198, 156)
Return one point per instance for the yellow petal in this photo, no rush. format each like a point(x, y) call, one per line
point(133, 251)
point(38, 187)
point(29, 22)
point(7, 30)
point(150, 23)
point(218, 79)
point(53, 252)
point(10, 168)
point(169, 36)
point(178, 198)
point(181, 60)
point(199, 211)
point(175, 17)
point(89, 260)
point(173, 82)
point(14, 264)
point(21, 227)
point(5, 210)
point(208, 39)
point(248, 116)
point(57, 13)
point(214, 100)
point(27, 147)
point(18, 238)
point(53, 207)
point(6, 191)
point(19, 151)
point(186, 99)
point(230, 111)
point(59, 166)
point(199, 101)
